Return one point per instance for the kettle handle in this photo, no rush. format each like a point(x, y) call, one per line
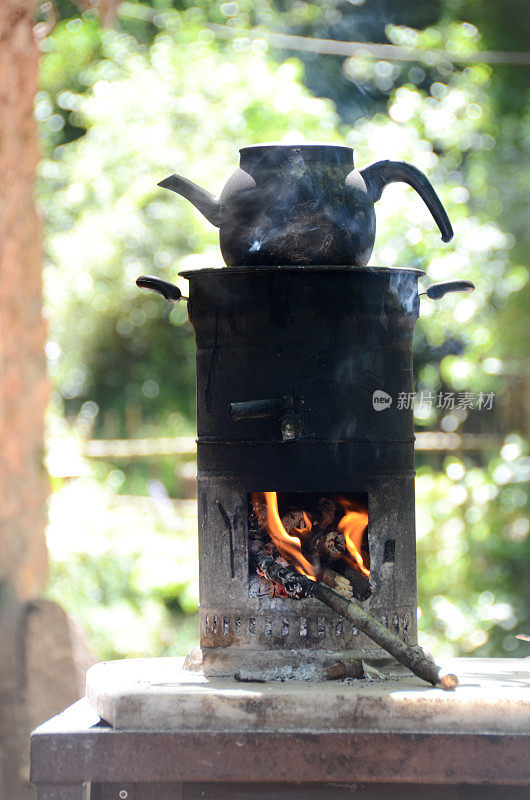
point(378, 175)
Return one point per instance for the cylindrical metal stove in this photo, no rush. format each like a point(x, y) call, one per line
point(303, 378)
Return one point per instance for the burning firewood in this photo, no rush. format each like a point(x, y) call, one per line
point(360, 585)
point(292, 582)
point(260, 548)
point(323, 541)
point(334, 545)
point(335, 551)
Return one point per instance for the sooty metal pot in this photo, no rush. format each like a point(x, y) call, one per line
point(303, 205)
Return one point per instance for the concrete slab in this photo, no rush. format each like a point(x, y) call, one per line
point(157, 694)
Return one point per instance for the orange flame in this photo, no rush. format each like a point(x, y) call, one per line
point(353, 525)
point(287, 545)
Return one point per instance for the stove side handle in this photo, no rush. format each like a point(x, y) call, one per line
point(291, 424)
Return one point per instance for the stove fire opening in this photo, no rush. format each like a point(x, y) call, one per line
point(323, 536)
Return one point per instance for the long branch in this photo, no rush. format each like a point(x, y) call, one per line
point(296, 585)
point(411, 657)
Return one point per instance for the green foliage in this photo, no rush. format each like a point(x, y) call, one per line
point(130, 576)
point(64, 76)
point(449, 133)
point(472, 531)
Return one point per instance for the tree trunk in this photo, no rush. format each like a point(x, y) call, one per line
point(23, 385)
point(41, 655)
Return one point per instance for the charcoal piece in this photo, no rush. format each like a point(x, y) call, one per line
point(324, 512)
point(360, 585)
point(293, 519)
point(334, 546)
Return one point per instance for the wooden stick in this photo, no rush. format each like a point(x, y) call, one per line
point(411, 657)
point(414, 658)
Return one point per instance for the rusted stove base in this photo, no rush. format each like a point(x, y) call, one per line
point(183, 737)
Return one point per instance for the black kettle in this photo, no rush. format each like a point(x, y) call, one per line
point(303, 204)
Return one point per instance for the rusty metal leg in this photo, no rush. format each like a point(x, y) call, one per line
point(61, 791)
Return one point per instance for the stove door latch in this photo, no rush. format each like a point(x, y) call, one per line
point(290, 423)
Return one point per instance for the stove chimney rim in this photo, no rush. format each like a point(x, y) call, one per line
point(304, 268)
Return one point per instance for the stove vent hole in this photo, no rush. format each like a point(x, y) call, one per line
point(355, 631)
point(303, 626)
point(390, 551)
point(237, 626)
point(405, 623)
point(225, 625)
point(252, 625)
point(339, 628)
point(215, 624)
point(268, 626)
point(285, 627)
point(321, 626)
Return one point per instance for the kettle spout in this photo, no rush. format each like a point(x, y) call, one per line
point(205, 202)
